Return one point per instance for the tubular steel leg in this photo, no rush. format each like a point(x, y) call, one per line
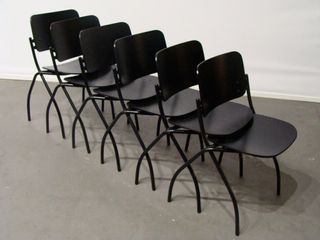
point(139, 139)
point(112, 109)
point(158, 125)
point(176, 174)
point(168, 140)
point(201, 146)
point(80, 120)
point(51, 100)
point(136, 121)
point(275, 161)
point(220, 157)
point(83, 94)
point(240, 165)
point(232, 196)
point(114, 144)
point(29, 95)
point(102, 106)
point(157, 139)
point(55, 105)
point(194, 178)
point(186, 146)
point(84, 103)
point(153, 186)
point(108, 130)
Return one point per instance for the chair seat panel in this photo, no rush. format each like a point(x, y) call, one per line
point(226, 119)
point(72, 67)
point(104, 79)
point(142, 88)
point(180, 104)
point(266, 137)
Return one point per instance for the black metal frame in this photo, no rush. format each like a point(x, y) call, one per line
point(63, 85)
point(210, 148)
point(93, 97)
point(170, 131)
point(216, 147)
point(127, 112)
point(251, 107)
point(41, 73)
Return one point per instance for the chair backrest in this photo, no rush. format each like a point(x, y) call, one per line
point(177, 67)
point(135, 55)
point(97, 45)
point(40, 26)
point(65, 35)
point(221, 79)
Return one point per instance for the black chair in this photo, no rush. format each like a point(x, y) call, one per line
point(41, 42)
point(135, 61)
point(226, 126)
point(97, 66)
point(176, 66)
point(66, 46)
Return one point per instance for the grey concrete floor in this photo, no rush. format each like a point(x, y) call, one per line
point(50, 191)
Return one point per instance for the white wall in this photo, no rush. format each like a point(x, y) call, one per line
point(279, 40)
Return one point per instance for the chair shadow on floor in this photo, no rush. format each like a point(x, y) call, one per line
point(256, 190)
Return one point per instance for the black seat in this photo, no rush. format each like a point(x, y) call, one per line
point(135, 61)
point(176, 67)
point(66, 68)
point(41, 42)
point(97, 66)
point(222, 79)
point(267, 138)
point(174, 106)
point(65, 47)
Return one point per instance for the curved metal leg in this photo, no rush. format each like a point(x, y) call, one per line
point(136, 121)
point(144, 153)
point(240, 165)
point(56, 107)
point(168, 140)
point(232, 196)
point(84, 103)
point(220, 157)
point(29, 95)
point(201, 146)
point(153, 186)
point(114, 144)
point(102, 106)
point(80, 120)
point(83, 94)
point(194, 178)
point(158, 125)
point(51, 100)
point(176, 174)
point(186, 146)
point(108, 130)
point(275, 161)
point(112, 109)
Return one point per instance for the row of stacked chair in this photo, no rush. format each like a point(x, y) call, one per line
point(115, 65)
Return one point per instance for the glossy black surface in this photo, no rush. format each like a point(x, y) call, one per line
point(65, 36)
point(97, 45)
point(66, 68)
point(224, 120)
point(40, 26)
point(135, 55)
point(177, 71)
point(221, 78)
point(177, 67)
point(181, 103)
point(267, 137)
point(98, 79)
point(141, 88)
